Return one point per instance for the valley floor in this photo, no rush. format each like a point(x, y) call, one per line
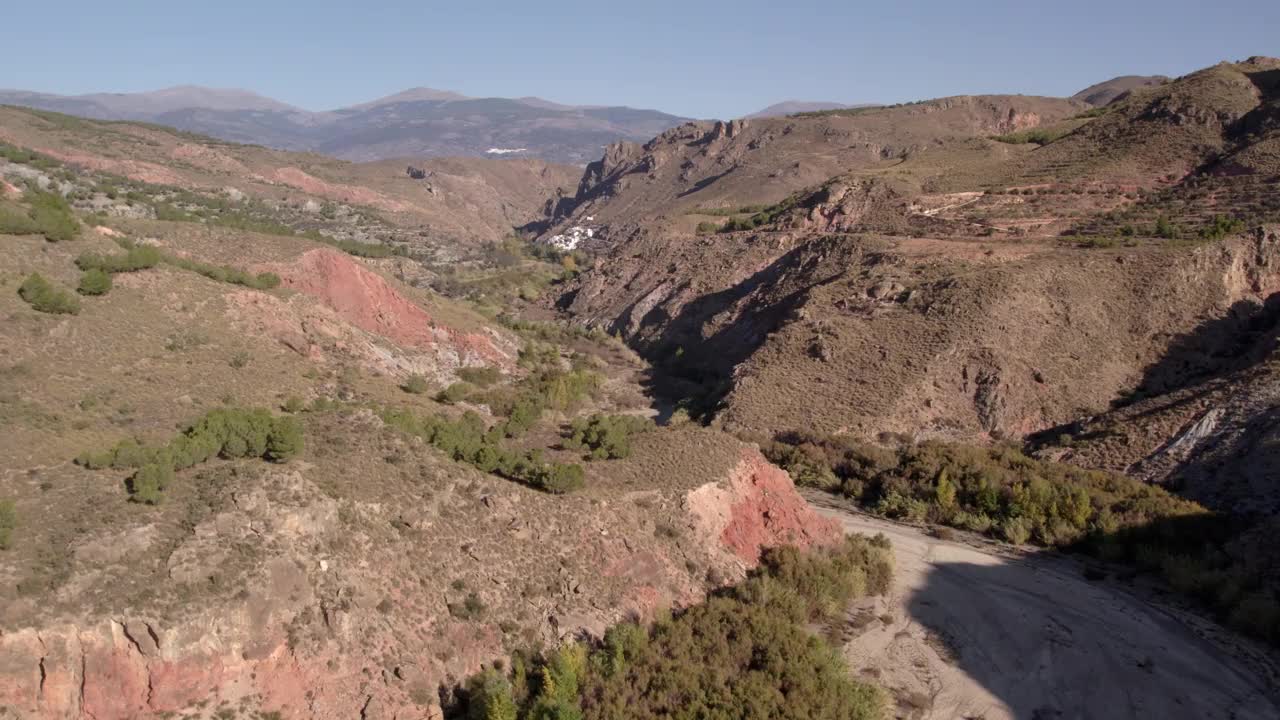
point(967, 633)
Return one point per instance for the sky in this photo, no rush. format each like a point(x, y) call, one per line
point(694, 58)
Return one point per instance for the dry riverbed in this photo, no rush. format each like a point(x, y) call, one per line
point(970, 632)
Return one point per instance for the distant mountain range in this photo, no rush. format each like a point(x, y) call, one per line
point(420, 122)
point(414, 123)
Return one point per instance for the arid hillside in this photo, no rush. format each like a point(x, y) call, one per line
point(250, 472)
point(912, 302)
point(459, 201)
point(292, 437)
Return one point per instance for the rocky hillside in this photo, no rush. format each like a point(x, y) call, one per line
point(415, 123)
point(942, 278)
point(459, 202)
point(249, 471)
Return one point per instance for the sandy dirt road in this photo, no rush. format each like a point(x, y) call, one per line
point(973, 634)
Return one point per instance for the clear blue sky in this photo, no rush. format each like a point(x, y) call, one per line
point(697, 58)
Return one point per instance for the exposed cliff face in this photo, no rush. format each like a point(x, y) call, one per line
point(354, 607)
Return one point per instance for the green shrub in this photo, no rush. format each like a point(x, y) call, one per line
point(226, 273)
point(8, 523)
point(489, 697)
point(747, 651)
point(455, 393)
point(94, 282)
point(1016, 530)
point(293, 404)
point(707, 227)
point(1220, 227)
point(605, 437)
point(147, 485)
point(415, 385)
point(16, 222)
point(1166, 229)
point(138, 257)
point(1037, 136)
point(52, 215)
point(285, 440)
point(226, 432)
point(40, 294)
point(468, 440)
point(481, 377)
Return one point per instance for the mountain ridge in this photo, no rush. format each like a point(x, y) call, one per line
point(419, 121)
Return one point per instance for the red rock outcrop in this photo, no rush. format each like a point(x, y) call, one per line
point(364, 299)
point(757, 507)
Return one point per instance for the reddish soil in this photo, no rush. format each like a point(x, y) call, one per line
point(364, 299)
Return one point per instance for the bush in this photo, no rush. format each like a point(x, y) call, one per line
point(1038, 136)
point(147, 484)
point(1016, 530)
point(16, 222)
point(226, 273)
point(226, 432)
point(94, 282)
point(44, 297)
point(744, 652)
point(138, 257)
point(52, 215)
point(1166, 229)
point(1221, 226)
point(8, 523)
point(707, 227)
point(605, 436)
point(415, 385)
point(455, 393)
point(285, 440)
point(481, 377)
point(468, 440)
point(489, 697)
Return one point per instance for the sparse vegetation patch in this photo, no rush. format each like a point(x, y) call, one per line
point(605, 437)
point(226, 432)
point(468, 440)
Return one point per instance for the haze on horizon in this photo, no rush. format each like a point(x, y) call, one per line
point(709, 60)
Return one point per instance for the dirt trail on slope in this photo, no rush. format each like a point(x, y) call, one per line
point(971, 634)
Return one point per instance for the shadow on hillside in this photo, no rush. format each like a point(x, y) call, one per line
point(1049, 643)
point(690, 362)
point(1237, 340)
